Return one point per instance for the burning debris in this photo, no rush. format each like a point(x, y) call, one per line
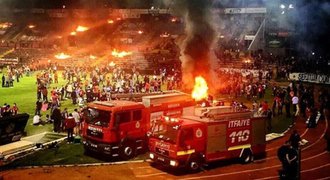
point(200, 89)
point(121, 54)
point(81, 29)
point(62, 56)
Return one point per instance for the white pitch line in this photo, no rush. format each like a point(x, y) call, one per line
point(319, 167)
point(326, 126)
point(231, 173)
point(303, 134)
point(325, 130)
point(312, 157)
point(148, 175)
point(270, 177)
point(252, 170)
point(325, 178)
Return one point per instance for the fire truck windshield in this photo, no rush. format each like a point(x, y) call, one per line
point(165, 131)
point(97, 117)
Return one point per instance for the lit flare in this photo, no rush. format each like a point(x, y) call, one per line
point(81, 29)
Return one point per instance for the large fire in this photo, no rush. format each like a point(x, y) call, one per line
point(81, 29)
point(115, 53)
point(62, 56)
point(112, 64)
point(92, 57)
point(200, 89)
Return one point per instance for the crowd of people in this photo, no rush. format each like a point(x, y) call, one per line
point(6, 110)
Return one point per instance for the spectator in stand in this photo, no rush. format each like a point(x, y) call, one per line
point(64, 115)
point(37, 120)
point(287, 103)
point(295, 103)
point(56, 116)
point(69, 124)
point(295, 139)
point(38, 107)
point(264, 108)
point(76, 117)
point(14, 109)
point(6, 111)
point(3, 80)
point(269, 119)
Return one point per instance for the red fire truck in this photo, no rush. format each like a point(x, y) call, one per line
point(208, 135)
point(119, 128)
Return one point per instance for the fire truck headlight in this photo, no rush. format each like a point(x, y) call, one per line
point(152, 156)
point(174, 163)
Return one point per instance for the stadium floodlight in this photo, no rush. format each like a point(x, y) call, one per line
point(282, 6)
point(290, 6)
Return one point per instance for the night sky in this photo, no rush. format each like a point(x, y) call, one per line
point(312, 16)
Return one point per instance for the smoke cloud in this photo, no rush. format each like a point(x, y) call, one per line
point(196, 49)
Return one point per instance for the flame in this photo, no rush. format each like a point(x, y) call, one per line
point(81, 29)
point(31, 26)
point(112, 64)
point(110, 21)
point(200, 89)
point(5, 25)
point(62, 56)
point(140, 32)
point(73, 33)
point(115, 53)
point(92, 57)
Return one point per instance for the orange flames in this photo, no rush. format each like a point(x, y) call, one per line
point(81, 29)
point(110, 21)
point(92, 57)
point(112, 64)
point(73, 33)
point(200, 89)
point(62, 56)
point(31, 26)
point(115, 53)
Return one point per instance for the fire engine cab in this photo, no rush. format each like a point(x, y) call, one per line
point(207, 135)
point(119, 128)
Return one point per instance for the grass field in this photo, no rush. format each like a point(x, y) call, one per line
point(24, 94)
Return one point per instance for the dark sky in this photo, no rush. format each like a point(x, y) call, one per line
point(313, 24)
point(312, 16)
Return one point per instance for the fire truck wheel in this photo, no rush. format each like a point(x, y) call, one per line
point(194, 166)
point(127, 151)
point(247, 156)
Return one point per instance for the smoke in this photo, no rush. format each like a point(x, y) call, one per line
point(196, 55)
point(312, 27)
